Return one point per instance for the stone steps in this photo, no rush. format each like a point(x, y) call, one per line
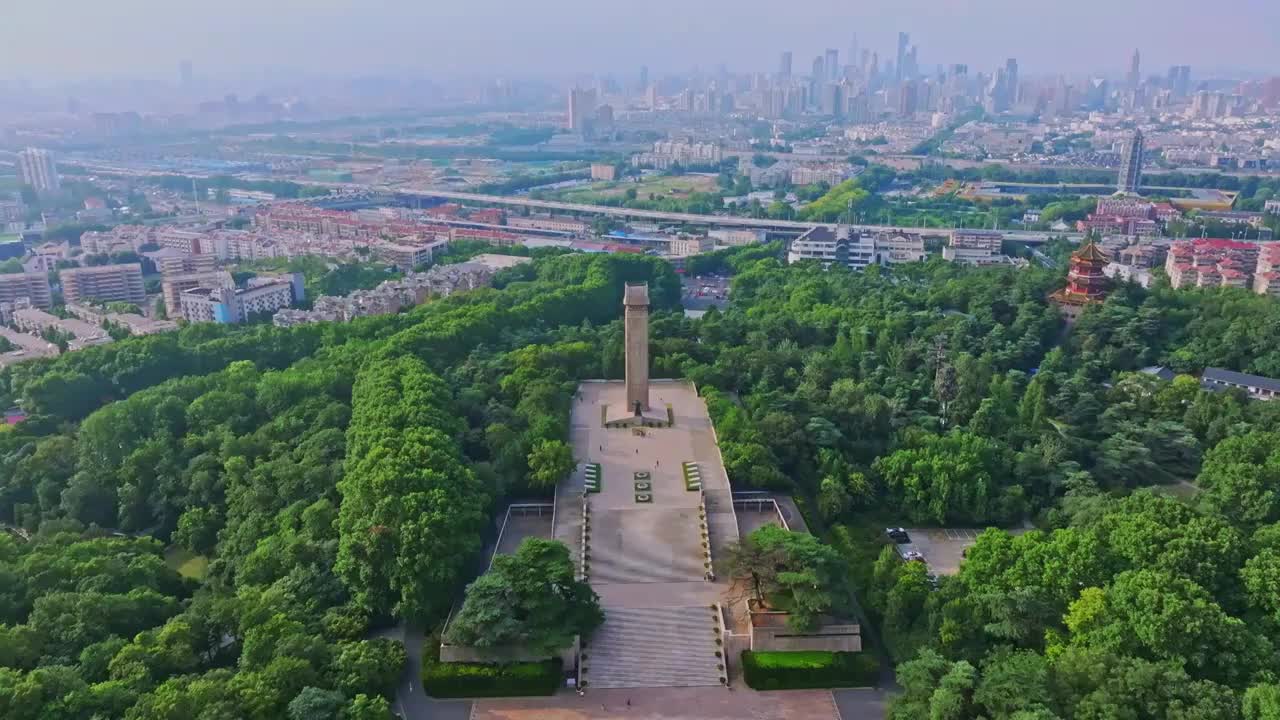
point(654, 647)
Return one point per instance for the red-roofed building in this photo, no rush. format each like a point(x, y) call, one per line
point(1164, 212)
point(1211, 262)
point(489, 216)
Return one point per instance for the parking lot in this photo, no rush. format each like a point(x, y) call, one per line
point(701, 293)
point(941, 548)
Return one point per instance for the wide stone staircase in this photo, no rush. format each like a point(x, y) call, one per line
point(654, 647)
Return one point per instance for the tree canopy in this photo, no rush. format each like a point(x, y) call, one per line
point(531, 599)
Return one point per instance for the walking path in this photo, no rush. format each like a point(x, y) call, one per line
point(647, 560)
point(670, 704)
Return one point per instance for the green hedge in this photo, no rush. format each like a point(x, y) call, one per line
point(461, 680)
point(798, 670)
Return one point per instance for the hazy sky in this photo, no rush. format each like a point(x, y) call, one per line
point(75, 39)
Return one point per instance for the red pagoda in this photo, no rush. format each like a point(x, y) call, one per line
point(1086, 282)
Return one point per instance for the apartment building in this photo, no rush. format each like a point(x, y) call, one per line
point(1143, 256)
point(175, 262)
point(568, 225)
point(975, 247)
point(122, 238)
point(684, 245)
point(173, 286)
point(27, 347)
point(1266, 278)
point(737, 237)
point(393, 295)
point(29, 285)
point(37, 168)
point(667, 154)
point(1212, 263)
point(191, 242)
point(408, 256)
point(134, 323)
point(104, 283)
point(830, 173)
point(83, 334)
point(235, 305)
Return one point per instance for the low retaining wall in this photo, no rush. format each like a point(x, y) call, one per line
point(503, 654)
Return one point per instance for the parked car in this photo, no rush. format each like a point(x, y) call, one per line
point(913, 556)
point(897, 535)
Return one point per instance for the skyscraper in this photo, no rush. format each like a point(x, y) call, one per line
point(1179, 80)
point(903, 41)
point(832, 63)
point(1131, 164)
point(784, 66)
point(185, 73)
point(582, 105)
point(644, 76)
point(817, 78)
point(1011, 82)
point(37, 169)
point(1135, 72)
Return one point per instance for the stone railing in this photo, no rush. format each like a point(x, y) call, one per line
point(583, 553)
point(705, 532)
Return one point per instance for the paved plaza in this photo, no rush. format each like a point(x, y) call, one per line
point(520, 527)
point(672, 704)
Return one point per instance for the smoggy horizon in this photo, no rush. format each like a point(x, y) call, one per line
point(75, 40)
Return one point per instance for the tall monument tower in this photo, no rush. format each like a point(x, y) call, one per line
point(635, 303)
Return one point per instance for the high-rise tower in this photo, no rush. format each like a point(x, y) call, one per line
point(903, 41)
point(1135, 71)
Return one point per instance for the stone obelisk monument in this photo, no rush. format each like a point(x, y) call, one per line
point(635, 302)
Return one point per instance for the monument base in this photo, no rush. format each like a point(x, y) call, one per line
point(653, 417)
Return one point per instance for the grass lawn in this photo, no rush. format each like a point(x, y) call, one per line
point(187, 563)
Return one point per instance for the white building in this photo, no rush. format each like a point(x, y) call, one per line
point(37, 169)
point(975, 247)
point(235, 305)
point(898, 246)
point(829, 245)
point(685, 245)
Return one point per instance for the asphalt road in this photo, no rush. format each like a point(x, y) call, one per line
point(861, 704)
point(412, 703)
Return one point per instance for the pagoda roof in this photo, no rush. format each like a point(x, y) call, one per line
point(1091, 252)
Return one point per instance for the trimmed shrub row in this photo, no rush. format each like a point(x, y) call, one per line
point(463, 680)
point(800, 670)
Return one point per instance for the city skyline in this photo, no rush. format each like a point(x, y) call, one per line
point(146, 39)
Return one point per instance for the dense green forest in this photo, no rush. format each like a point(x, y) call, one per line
point(340, 478)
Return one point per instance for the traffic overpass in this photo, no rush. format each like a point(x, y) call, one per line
point(781, 227)
point(1032, 237)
